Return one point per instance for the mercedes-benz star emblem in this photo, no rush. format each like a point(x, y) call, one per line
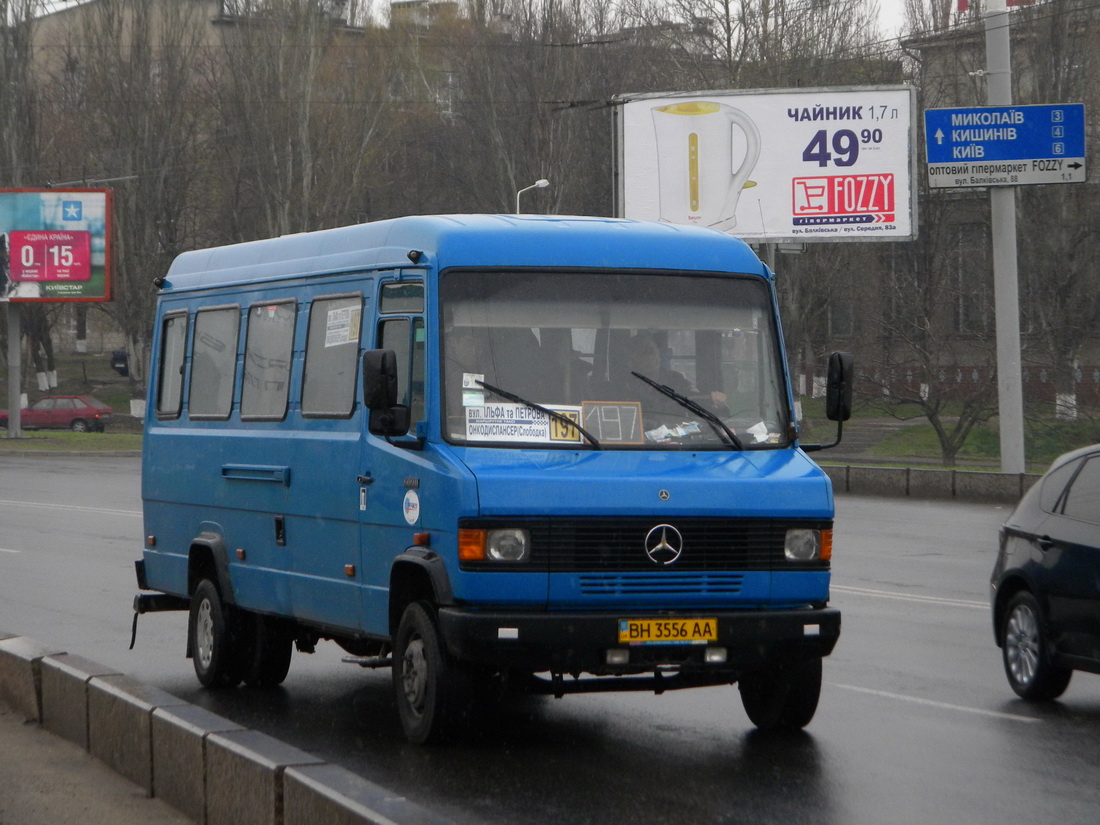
point(664, 544)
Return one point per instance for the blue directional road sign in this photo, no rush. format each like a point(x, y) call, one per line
point(1005, 145)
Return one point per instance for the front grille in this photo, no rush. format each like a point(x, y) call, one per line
point(599, 545)
point(642, 584)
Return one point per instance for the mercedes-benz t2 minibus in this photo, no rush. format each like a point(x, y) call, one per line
point(548, 454)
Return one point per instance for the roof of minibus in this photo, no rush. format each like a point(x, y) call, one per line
point(467, 240)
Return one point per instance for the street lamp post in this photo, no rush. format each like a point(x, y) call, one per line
point(541, 183)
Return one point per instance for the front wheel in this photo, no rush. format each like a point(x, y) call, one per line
point(1026, 652)
point(423, 679)
point(215, 639)
point(783, 697)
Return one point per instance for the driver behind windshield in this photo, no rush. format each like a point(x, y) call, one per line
point(645, 358)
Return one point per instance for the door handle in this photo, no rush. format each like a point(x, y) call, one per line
point(364, 479)
point(1044, 542)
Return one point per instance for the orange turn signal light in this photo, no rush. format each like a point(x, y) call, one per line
point(471, 545)
point(826, 545)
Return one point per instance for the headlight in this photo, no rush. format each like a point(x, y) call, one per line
point(802, 545)
point(508, 545)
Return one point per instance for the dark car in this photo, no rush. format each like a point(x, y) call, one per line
point(1046, 582)
point(80, 413)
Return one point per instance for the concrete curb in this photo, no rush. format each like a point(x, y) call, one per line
point(933, 484)
point(210, 769)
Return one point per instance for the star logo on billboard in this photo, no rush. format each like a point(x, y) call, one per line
point(72, 210)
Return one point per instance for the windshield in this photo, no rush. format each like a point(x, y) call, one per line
point(674, 360)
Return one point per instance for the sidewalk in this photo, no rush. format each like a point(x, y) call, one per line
point(46, 780)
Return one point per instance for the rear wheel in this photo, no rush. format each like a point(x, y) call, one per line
point(1027, 654)
point(216, 649)
point(79, 425)
point(783, 697)
point(269, 649)
point(423, 678)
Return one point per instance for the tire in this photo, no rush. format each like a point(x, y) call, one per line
point(79, 425)
point(1027, 654)
point(423, 679)
point(783, 698)
point(269, 648)
point(213, 630)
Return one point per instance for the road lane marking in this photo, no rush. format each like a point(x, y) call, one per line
point(909, 597)
point(5, 550)
point(916, 700)
point(72, 508)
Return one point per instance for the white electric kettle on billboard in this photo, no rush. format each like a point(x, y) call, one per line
point(698, 180)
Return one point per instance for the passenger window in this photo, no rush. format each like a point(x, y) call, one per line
point(1083, 497)
point(401, 298)
point(406, 337)
point(214, 363)
point(173, 340)
point(332, 349)
point(267, 354)
point(1054, 485)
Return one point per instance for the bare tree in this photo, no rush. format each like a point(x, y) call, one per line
point(1058, 255)
point(936, 351)
point(761, 43)
point(124, 75)
point(298, 96)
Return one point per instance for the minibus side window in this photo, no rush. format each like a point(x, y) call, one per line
point(173, 344)
point(267, 354)
point(213, 363)
point(406, 338)
point(332, 349)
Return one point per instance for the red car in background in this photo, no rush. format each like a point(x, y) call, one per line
point(79, 413)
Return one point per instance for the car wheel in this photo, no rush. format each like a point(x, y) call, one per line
point(215, 639)
point(269, 650)
point(79, 425)
point(423, 678)
point(1027, 654)
point(783, 697)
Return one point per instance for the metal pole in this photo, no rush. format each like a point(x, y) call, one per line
point(15, 371)
point(541, 183)
point(1006, 291)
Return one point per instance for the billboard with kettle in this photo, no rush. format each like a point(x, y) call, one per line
point(773, 165)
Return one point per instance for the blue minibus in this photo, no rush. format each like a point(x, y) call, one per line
point(492, 453)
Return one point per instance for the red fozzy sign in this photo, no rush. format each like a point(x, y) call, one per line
point(838, 199)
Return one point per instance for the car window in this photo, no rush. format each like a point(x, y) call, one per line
point(78, 403)
point(1083, 498)
point(64, 404)
point(44, 404)
point(1054, 484)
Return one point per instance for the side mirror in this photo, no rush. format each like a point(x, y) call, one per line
point(838, 396)
point(838, 386)
point(380, 394)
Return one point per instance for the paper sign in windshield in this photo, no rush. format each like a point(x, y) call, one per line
point(518, 422)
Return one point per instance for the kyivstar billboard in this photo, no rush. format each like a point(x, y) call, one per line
point(54, 245)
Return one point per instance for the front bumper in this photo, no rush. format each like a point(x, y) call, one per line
point(578, 642)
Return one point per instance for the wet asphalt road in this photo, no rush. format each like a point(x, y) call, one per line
point(916, 722)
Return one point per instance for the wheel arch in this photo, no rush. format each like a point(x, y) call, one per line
point(208, 558)
point(416, 575)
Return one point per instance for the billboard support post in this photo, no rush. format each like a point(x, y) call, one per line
point(15, 370)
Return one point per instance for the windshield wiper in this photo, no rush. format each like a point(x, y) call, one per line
point(557, 416)
point(712, 419)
